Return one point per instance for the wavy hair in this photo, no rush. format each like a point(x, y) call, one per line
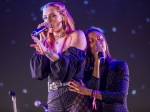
point(67, 19)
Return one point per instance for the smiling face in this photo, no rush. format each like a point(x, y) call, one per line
point(53, 16)
point(94, 37)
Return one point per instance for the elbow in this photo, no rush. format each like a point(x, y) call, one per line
point(122, 98)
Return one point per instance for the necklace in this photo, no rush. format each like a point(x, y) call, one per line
point(57, 37)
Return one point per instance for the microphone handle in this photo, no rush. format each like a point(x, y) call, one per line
point(101, 56)
point(14, 103)
point(37, 31)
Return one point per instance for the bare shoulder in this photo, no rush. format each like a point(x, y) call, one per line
point(78, 39)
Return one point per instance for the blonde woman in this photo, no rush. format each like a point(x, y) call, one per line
point(59, 56)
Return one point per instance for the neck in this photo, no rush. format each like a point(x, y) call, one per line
point(58, 35)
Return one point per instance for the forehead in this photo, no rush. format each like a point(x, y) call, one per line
point(50, 10)
point(94, 34)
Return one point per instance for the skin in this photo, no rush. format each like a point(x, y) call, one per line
point(97, 44)
point(51, 15)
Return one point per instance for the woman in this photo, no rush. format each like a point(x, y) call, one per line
point(59, 56)
point(108, 82)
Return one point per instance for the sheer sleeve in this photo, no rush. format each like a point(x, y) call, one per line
point(39, 66)
point(122, 85)
point(69, 65)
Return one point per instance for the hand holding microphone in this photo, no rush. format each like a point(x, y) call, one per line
point(99, 49)
point(39, 43)
point(41, 27)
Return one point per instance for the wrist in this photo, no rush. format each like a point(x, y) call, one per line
point(49, 53)
point(89, 92)
point(96, 63)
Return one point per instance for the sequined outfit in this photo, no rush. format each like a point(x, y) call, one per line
point(113, 85)
point(69, 66)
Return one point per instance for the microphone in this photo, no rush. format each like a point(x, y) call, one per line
point(38, 104)
point(101, 56)
point(13, 94)
point(39, 30)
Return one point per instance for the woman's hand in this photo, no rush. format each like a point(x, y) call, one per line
point(44, 34)
point(78, 87)
point(97, 48)
point(38, 46)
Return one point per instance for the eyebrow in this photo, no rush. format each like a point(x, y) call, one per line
point(49, 14)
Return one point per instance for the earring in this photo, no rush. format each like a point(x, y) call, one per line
point(63, 24)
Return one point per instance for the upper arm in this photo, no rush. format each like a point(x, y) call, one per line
point(78, 40)
point(123, 77)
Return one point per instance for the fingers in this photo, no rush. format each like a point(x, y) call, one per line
point(74, 90)
point(38, 48)
point(44, 33)
point(37, 52)
point(43, 24)
point(42, 36)
point(98, 48)
point(35, 39)
point(75, 83)
point(81, 82)
point(73, 87)
point(33, 45)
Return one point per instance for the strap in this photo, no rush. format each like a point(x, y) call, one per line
point(94, 100)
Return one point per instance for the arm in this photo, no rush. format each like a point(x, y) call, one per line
point(93, 84)
point(39, 66)
point(95, 79)
point(70, 62)
point(78, 41)
point(122, 85)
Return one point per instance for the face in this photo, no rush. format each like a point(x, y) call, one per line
point(93, 38)
point(52, 16)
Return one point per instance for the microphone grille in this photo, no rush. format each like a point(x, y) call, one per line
point(12, 93)
point(49, 25)
point(37, 103)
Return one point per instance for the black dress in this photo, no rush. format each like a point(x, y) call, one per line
point(69, 66)
point(113, 85)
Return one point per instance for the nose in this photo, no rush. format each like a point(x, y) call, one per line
point(97, 42)
point(48, 20)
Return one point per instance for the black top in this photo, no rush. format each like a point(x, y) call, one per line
point(69, 65)
point(113, 85)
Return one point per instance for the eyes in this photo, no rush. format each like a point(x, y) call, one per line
point(50, 17)
point(100, 38)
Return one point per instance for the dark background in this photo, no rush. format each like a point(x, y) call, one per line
point(126, 25)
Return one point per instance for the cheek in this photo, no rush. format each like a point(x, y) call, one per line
point(58, 20)
point(104, 46)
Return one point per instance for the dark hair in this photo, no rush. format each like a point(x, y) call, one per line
point(89, 55)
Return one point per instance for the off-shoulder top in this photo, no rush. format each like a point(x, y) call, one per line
point(70, 65)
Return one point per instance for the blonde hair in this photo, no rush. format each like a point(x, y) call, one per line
point(67, 19)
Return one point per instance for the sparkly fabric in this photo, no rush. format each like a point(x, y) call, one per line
point(64, 100)
point(113, 85)
point(69, 66)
